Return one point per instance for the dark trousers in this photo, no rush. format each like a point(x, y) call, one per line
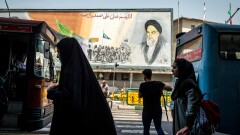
point(156, 116)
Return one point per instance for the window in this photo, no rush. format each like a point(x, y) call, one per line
point(100, 76)
point(111, 76)
point(124, 76)
point(229, 46)
point(192, 51)
point(42, 64)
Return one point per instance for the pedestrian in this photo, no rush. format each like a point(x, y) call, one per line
point(104, 87)
point(151, 91)
point(20, 74)
point(79, 104)
point(186, 97)
point(20, 62)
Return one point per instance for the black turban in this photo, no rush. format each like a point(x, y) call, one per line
point(155, 24)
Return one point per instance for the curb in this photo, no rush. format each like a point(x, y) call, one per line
point(128, 107)
point(137, 107)
point(114, 101)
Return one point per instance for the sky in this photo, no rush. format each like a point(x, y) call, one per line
point(216, 10)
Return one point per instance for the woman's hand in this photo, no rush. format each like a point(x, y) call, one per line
point(52, 92)
point(52, 87)
point(183, 131)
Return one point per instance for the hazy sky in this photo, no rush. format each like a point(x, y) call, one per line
point(216, 10)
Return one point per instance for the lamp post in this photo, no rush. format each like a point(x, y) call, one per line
point(114, 67)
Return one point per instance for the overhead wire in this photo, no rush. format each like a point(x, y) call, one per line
point(7, 8)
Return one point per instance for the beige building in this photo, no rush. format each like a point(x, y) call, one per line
point(132, 78)
point(184, 24)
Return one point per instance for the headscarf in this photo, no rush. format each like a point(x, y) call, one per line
point(185, 72)
point(81, 88)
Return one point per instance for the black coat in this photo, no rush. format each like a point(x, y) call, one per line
point(79, 104)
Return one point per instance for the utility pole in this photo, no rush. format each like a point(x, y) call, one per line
point(114, 68)
point(232, 16)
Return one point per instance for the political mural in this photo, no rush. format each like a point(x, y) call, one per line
point(133, 38)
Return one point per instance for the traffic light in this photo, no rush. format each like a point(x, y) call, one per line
point(116, 64)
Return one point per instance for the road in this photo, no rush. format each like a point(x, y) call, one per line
point(127, 121)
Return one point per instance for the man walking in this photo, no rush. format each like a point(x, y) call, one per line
point(151, 91)
point(104, 87)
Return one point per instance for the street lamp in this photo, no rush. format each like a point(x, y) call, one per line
point(114, 67)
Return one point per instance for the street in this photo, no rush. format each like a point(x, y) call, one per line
point(127, 122)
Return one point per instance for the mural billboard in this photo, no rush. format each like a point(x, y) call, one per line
point(134, 38)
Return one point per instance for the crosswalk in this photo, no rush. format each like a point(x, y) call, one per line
point(128, 122)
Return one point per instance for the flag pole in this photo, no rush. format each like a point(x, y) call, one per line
point(178, 16)
point(232, 15)
point(204, 12)
point(102, 37)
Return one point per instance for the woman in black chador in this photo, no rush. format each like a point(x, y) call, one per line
point(79, 104)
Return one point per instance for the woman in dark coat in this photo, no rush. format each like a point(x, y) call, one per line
point(186, 97)
point(79, 104)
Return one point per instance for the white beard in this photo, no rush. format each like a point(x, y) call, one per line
point(152, 41)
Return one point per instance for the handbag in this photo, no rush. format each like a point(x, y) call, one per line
point(201, 125)
point(211, 110)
